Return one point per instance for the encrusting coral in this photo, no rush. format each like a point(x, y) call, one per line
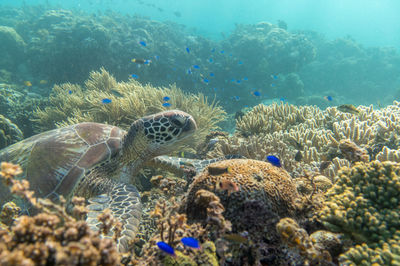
point(364, 206)
point(51, 237)
point(70, 104)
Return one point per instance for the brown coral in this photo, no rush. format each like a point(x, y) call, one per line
point(265, 193)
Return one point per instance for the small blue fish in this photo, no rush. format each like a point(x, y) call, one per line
point(238, 81)
point(189, 71)
point(147, 62)
point(156, 57)
point(196, 67)
point(257, 93)
point(245, 78)
point(106, 101)
point(188, 50)
point(210, 60)
point(237, 98)
point(205, 80)
point(240, 63)
point(222, 51)
point(328, 98)
point(272, 84)
point(166, 98)
point(274, 160)
point(143, 43)
point(134, 76)
point(274, 76)
point(282, 99)
point(69, 92)
point(166, 248)
point(212, 74)
point(191, 242)
point(166, 104)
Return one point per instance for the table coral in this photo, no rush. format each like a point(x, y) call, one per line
point(265, 193)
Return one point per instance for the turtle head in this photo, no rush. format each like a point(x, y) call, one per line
point(160, 133)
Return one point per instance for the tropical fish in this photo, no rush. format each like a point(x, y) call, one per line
point(238, 81)
point(156, 57)
point(27, 83)
point(274, 160)
point(212, 74)
point(272, 84)
point(328, 98)
point(166, 98)
point(257, 93)
point(106, 100)
point(274, 76)
point(240, 63)
point(210, 60)
point(299, 156)
point(205, 80)
point(348, 108)
point(222, 51)
point(238, 238)
point(237, 98)
point(43, 81)
point(134, 76)
point(166, 104)
point(69, 92)
point(116, 93)
point(143, 43)
point(188, 50)
point(245, 78)
point(196, 67)
point(141, 61)
point(227, 185)
point(191, 242)
point(189, 71)
point(166, 248)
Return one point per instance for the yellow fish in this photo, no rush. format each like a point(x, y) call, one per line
point(27, 83)
point(43, 81)
point(141, 61)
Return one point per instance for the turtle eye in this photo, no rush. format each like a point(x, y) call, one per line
point(178, 121)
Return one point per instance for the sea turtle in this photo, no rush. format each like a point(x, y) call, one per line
point(87, 159)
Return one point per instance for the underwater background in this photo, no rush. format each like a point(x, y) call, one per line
point(296, 157)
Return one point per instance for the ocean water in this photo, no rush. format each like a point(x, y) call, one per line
point(316, 83)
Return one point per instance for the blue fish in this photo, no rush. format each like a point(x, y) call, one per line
point(240, 63)
point(190, 242)
point(166, 248)
point(272, 84)
point(238, 81)
point(166, 104)
point(106, 101)
point(274, 76)
point(257, 93)
point(210, 60)
point(222, 51)
point(274, 160)
point(245, 78)
point(237, 98)
point(328, 98)
point(156, 57)
point(189, 71)
point(166, 98)
point(134, 76)
point(206, 80)
point(69, 92)
point(196, 67)
point(212, 74)
point(143, 43)
point(188, 50)
point(282, 99)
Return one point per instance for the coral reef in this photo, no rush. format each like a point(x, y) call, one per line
point(9, 132)
point(51, 237)
point(265, 193)
point(70, 104)
point(12, 48)
point(363, 205)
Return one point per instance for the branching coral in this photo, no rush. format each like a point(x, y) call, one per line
point(364, 205)
point(129, 101)
point(51, 237)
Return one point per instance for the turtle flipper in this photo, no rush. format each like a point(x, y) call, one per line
point(124, 202)
point(178, 165)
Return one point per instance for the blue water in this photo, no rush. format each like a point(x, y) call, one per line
point(370, 22)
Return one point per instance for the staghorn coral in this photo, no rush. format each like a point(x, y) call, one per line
point(51, 237)
point(130, 101)
point(9, 132)
point(265, 193)
point(364, 206)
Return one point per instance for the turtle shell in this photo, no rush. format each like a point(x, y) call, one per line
point(55, 161)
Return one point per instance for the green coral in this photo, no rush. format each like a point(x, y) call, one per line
point(364, 206)
point(71, 104)
point(205, 256)
point(9, 132)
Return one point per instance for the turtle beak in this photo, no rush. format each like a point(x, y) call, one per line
point(190, 126)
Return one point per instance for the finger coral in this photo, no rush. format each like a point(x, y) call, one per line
point(70, 104)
